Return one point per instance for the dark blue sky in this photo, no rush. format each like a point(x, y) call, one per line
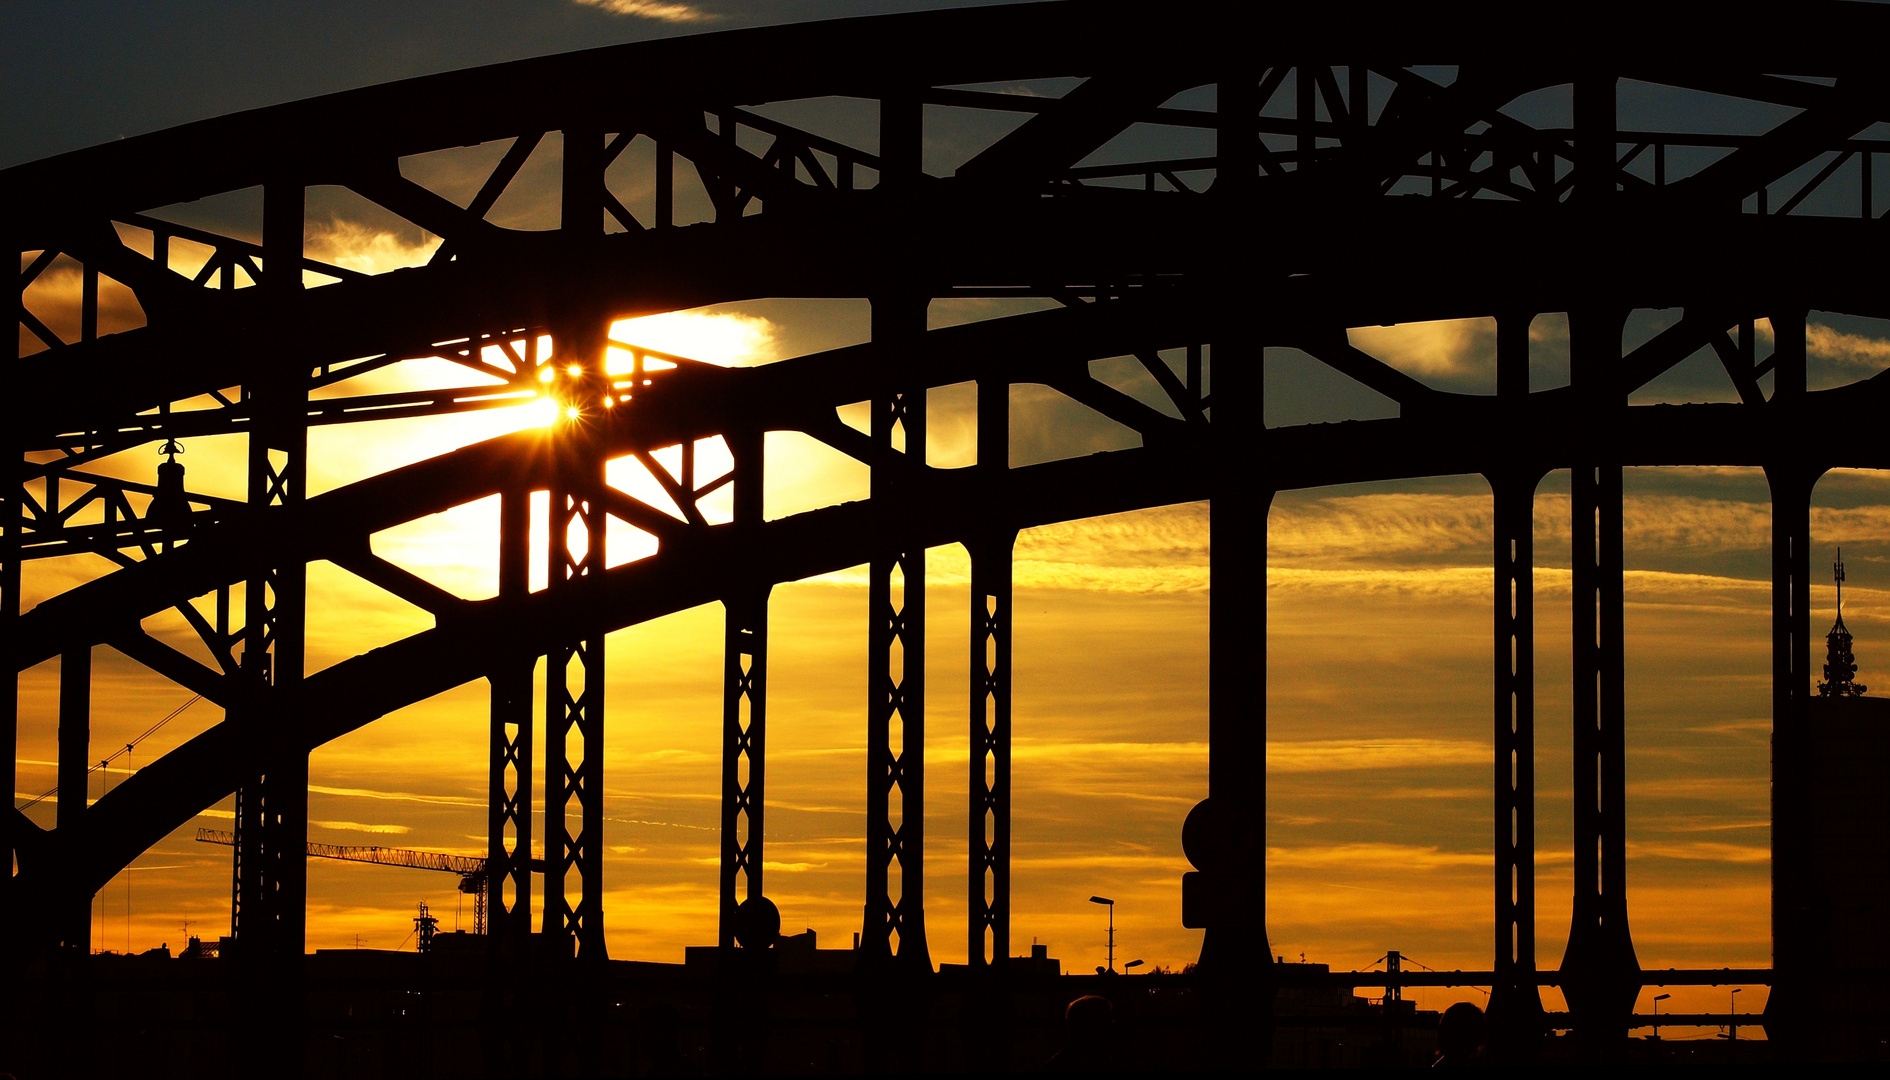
point(81, 72)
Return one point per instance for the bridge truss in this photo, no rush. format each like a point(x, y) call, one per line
point(1361, 172)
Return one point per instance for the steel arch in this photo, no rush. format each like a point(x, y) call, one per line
point(1365, 172)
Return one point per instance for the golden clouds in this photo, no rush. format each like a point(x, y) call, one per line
point(1446, 347)
point(1342, 755)
point(1860, 352)
point(1359, 528)
point(55, 298)
point(660, 10)
point(356, 826)
point(728, 338)
point(1362, 857)
point(353, 246)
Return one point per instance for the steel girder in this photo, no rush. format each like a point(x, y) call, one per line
point(1351, 185)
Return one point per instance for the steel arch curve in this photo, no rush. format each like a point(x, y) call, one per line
point(1363, 172)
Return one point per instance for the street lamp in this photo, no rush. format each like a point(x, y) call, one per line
point(1112, 928)
point(1658, 998)
point(1131, 964)
point(1732, 1005)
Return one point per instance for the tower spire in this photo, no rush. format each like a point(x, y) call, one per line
point(1839, 665)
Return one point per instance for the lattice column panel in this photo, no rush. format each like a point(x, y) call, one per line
point(894, 922)
point(988, 892)
point(895, 784)
point(268, 908)
point(509, 810)
point(744, 752)
point(744, 696)
point(574, 670)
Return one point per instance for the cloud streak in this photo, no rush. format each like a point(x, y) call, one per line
point(660, 10)
point(1345, 755)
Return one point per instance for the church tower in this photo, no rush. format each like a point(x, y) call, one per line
point(1840, 667)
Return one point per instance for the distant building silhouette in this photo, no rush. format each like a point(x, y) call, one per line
point(1831, 866)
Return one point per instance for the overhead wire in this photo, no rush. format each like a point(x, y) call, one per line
point(115, 755)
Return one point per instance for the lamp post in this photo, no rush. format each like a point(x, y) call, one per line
point(1132, 964)
point(1732, 1006)
point(1658, 998)
point(1112, 928)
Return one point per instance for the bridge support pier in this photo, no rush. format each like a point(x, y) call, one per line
point(269, 895)
point(744, 753)
point(1601, 975)
point(988, 893)
point(508, 1027)
point(989, 896)
point(269, 889)
point(574, 669)
point(1241, 496)
point(894, 929)
point(509, 809)
point(1790, 1006)
point(1515, 1008)
point(744, 700)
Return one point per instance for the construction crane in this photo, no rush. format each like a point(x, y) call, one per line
point(471, 869)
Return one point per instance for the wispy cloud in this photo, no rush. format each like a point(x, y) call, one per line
point(356, 826)
point(659, 10)
point(1378, 526)
point(1699, 851)
point(1346, 755)
point(396, 796)
point(1444, 347)
point(1852, 350)
point(354, 246)
point(1404, 526)
point(1364, 856)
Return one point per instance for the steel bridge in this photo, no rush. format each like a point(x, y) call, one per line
point(1365, 169)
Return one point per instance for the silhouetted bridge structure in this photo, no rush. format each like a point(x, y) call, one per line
point(1362, 173)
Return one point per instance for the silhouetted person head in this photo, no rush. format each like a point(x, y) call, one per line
point(1089, 1037)
point(1459, 1035)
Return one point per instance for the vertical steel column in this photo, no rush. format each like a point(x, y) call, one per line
point(1235, 936)
point(744, 701)
point(1515, 1001)
point(1601, 976)
point(895, 739)
point(75, 753)
point(1601, 973)
point(509, 810)
point(1791, 480)
point(896, 657)
point(269, 908)
point(988, 936)
point(574, 669)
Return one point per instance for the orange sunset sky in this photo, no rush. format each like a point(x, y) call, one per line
point(1378, 677)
